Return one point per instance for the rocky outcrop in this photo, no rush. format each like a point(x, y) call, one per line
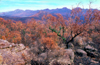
point(55, 57)
point(91, 51)
point(67, 58)
point(18, 54)
point(90, 48)
point(81, 52)
point(14, 54)
point(86, 53)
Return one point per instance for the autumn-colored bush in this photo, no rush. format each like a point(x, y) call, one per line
point(52, 30)
point(14, 36)
point(49, 43)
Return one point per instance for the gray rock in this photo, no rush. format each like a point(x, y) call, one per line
point(91, 51)
point(81, 52)
point(94, 62)
point(80, 64)
point(43, 55)
point(78, 41)
point(88, 47)
point(92, 54)
point(59, 56)
point(60, 61)
point(70, 52)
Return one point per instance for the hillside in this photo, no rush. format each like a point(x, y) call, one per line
point(51, 39)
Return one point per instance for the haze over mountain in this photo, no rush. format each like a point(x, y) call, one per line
point(21, 15)
point(27, 13)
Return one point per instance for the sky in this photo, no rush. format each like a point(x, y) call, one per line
point(10, 5)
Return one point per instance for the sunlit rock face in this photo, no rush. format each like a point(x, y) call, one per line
point(18, 54)
point(13, 54)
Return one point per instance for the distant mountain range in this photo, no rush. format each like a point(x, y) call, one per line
point(24, 16)
point(28, 13)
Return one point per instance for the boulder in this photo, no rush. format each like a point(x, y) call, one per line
point(92, 54)
point(14, 54)
point(81, 52)
point(70, 52)
point(60, 61)
point(66, 58)
point(80, 64)
point(94, 62)
point(88, 47)
point(78, 41)
point(43, 55)
point(91, 51)
point(55, 57)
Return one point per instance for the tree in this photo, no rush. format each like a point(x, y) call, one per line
point(74, 26)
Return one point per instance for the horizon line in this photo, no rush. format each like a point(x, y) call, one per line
point(48, 9)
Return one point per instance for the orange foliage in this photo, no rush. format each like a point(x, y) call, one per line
point(49, 43)
point(3, 37)
point(34, 30)
point(14, 36)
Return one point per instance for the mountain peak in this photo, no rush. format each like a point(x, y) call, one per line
point(46, 9)
point(18, 10)
point(64, 8)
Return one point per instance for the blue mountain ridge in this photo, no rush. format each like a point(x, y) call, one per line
point(24, 15)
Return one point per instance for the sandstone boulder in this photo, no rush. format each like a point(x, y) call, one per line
point(13, 54)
